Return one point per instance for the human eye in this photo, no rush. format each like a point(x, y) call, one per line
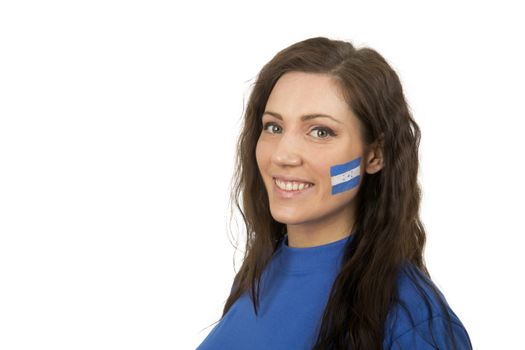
point(269, 124)
point(329, 131)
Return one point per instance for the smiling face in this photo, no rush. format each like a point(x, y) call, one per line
point(311, 149)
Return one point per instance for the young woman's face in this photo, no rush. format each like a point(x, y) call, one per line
point(310, 150)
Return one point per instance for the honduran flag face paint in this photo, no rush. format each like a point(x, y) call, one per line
point(345, 176)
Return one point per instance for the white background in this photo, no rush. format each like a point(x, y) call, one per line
point(118, 121)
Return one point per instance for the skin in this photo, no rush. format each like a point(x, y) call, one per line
point(296, 148)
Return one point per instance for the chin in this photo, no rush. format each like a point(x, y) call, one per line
point(290, 218)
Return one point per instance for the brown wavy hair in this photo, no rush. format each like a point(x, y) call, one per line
point(388, 232)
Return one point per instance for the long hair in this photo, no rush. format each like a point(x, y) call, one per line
point(388, 231)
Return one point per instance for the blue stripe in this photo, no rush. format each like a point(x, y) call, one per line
point(343, 168)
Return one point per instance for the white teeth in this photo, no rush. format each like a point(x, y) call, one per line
point(292, 186)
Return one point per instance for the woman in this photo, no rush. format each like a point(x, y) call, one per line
point(327, 167)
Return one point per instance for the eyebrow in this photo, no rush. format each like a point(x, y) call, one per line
point(304, 117)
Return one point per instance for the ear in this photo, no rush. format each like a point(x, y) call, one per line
point(374, 156)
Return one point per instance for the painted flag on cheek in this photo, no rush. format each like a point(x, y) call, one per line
point(345, 176)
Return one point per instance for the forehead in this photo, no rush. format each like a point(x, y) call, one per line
point(298, 93)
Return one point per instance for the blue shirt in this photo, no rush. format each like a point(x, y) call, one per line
point(294, 291)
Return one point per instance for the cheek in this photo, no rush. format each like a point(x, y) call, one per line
point(262, 156)
point(260, 153)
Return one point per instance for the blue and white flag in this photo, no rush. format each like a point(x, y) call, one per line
point(345, 176)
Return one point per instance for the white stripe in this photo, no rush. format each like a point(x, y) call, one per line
point(347, 176)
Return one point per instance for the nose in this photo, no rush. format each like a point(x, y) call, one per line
point(287, 152)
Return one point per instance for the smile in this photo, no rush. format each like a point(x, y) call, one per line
point(286, 190)
point(292, 185)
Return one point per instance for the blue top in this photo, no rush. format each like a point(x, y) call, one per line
point(294, 290)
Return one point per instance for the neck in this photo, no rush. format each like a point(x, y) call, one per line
point(320, 232)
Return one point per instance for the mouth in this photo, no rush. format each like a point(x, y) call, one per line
point(284, 192)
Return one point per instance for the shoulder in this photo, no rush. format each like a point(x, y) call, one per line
point(421, 317)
